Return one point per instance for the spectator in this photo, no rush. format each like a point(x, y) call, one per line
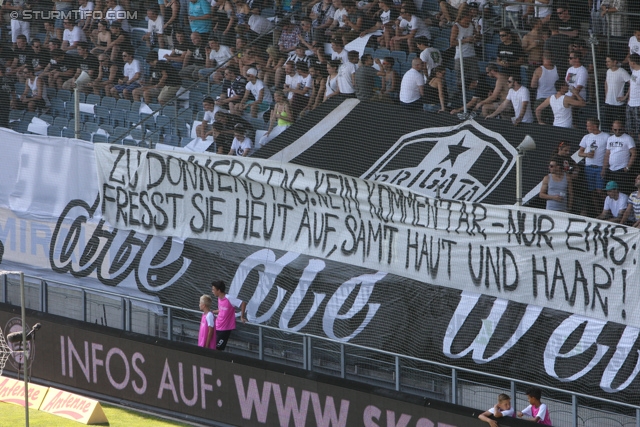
point(35, 92)
point(537, 410)
point(632, 213)
point(280, 119)
point(49, 32)
point(170, 11)
point(259, 25)
point(208, 105)
point(477, 91)
point(7, 97)
point(464, 32)
point(261, 96)
point(619, 158)
point(217, 56)
point(72, 35)
point(435, 91)
point(197, 55)
point(567, 24)
point(384, 23)
point(221, 139)
point(207, 334)
point(390, 80)
point(288, 37)
point(412, 86)
point(615, 13)
point(233, 88)
point(179, 52)
point(163, 83)
point(615, 204)
point(318, 74)
point(561, 105)
point(634, 44)
point(339, 16)
point(558, 45)
point(59, 69)
point(200, 16)
point(577, 76)
point(116, 13)
point(543, 80)
point(40, 57)
point(100, 38)
point(322, 18)
point(633, 97)
point(448, 11)
point(557, 188)
point(241, 145)
point(614, 95)
point(86, 63)
point(410, 27)
point(519, 99)
point(18, 25)
point(499, 410)
point(542, 12)
point(499, 93)
point(155, 29)
point(598, 21)
point(347, 75)
point(332, 86)
point(120, 40)
point(429, 55)
point(352, 23)
point(132, 75)
point(85, 23)
point(62, 7)
point(274, 63)
point(22, 55)
point(108, 74)
point(533, 43)
point(365, 78)
point(300, 90)
point(510, 53)
point(593, 148)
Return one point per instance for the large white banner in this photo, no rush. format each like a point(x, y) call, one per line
point(560, 261)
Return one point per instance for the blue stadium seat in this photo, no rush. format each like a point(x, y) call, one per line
point(169, 111)
point(381, 53)
point(108, 102)
point(58, 108)
point(118, 117)
point(19, 88)
point(123, 104)
point(172, 140)
point(163, 123)
point(399, 56)
point(61, 122)
point(64, 95)
point(136, 134)
point(97, 138)
point(404, 67)
point(85, 136)
point(132, 117)
point(441, 43)
point(51, 92)
point(129, 141)
point(93, 99)
point(91, 127)
point(103, 115)
point(54, 130)
point(16, 115)
point(369, 50)
point(120, 132)
point(135, 106)
point(411, 56)
point(186, 114)
point(47, 118)
point(185, 140)
point(69, 133)
point(107, 128)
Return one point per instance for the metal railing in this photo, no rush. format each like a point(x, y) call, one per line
point(395, 371)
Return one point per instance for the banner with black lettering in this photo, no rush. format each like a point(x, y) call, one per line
point(559, 261)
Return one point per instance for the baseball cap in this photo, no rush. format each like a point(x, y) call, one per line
point(611, 185)
point(252, 72)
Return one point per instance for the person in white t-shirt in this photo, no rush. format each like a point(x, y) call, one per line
point(262, 98)
point(614, 105)
point(155, 26)
point(614, 205)
point(412, 85)
point(241, 145)
point(619, 158)
point(633, 97)
point(117, 13)
point(410, 27)
point(519, 98)
point(499, 410)
point(577, 75)
point(71, 36)
point(132, 76)
point(431, 56)
point(85, 9)
point(593, 148)
point(347, 75)
point(634, 44)
point(217, 56)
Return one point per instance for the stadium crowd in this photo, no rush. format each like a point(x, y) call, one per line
point(259, 66)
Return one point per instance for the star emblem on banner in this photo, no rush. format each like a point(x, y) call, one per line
point(455, 151)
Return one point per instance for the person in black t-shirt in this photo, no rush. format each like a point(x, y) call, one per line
point(21, 57)
point(196, 55)
point(7, 98)
point(163, 82)
point(567, 24)
point(61, 67)
point(510, 53)
point(85, 62)
point(40, 57)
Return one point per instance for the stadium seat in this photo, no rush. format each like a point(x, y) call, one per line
point(108, 102)
point(54, 130)
point(97, 138)
point(16, 115)
point(369, 50)
point(85, 136)
point(381, 53)
point(114, 140)
point(187, 114)
point(58, 108)
point(51, 92)
point(136, 134)
point(148, 124)
point(172, 140)
point(107, 128)
point(121, 132)
point(103, 115)
point(91, 127)
point(68, 133)
point(441, 43)
point(446, 33)
point(411, 56)
point(61, 122)
point(135, 106)
point(123, 104)
point(129, 141)
point(64, 95)
point(200, 116)
point(490, 52)
point(163, 123)
point(47, 118)
point(82, 96)
point(404, 67)
point(144, 144)
point(118, 117)
point(132, 118)
point(93, 99)
point(185, 140)
point(399, 56)
point(169, 111)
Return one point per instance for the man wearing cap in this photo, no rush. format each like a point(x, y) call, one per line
point(615, 204)
point(261, 95)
